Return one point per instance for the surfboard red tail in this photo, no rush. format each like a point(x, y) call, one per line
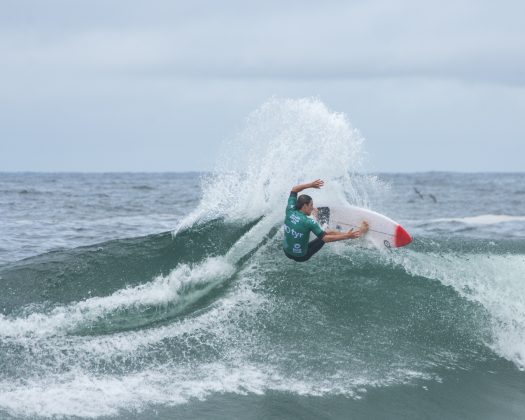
point(402, 237)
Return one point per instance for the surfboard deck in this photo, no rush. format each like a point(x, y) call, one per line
point(383, 231)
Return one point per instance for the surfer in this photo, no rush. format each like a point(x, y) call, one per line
point(297, 226)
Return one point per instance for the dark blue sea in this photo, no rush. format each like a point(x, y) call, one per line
point(168, 296)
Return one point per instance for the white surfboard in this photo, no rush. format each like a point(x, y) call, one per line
point(382, 232)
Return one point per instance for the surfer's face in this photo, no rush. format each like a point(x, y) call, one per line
point(308, 208)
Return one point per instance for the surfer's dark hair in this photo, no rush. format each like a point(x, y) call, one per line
point(302, 200)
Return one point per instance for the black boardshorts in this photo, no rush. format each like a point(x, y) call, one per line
point(313, 247)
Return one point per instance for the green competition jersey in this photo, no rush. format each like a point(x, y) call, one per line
point(297, 228)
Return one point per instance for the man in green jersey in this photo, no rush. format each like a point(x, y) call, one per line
point(297, 226)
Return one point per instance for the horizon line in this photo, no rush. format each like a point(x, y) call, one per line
point(211, 171)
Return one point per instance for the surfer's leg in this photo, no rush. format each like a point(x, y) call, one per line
point(313, 247)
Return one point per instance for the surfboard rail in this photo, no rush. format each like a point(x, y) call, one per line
point(383, 231)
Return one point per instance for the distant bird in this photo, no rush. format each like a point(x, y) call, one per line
point(418, 193)
point(422, 196)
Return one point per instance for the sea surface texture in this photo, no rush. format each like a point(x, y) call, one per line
point(139, 296)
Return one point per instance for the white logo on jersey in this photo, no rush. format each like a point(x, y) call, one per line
point(297, 248)
point(294, 219)
point(293, 232)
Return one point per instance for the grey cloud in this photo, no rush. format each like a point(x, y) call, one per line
point(175, 78)
point(473, 41)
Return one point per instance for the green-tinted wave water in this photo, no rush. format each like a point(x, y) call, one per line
point(166, 328)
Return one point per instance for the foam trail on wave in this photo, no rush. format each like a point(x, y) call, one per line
point(82, 394)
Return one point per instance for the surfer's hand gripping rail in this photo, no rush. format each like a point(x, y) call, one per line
point(333, 236)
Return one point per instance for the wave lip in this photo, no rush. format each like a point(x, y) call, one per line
point(493, 281)
point(182, 287)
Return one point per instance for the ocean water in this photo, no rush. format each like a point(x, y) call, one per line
point(139, 296)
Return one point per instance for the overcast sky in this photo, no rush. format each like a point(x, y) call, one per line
point(159, 85)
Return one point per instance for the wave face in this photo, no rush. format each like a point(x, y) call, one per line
point(212, 315)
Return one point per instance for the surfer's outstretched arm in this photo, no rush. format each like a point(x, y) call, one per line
point(332, 236)
point(318, 183)
point(341, 236)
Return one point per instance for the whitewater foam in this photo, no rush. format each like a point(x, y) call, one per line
point(78, 393)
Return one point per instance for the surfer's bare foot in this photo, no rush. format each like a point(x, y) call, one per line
point(364, 227)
